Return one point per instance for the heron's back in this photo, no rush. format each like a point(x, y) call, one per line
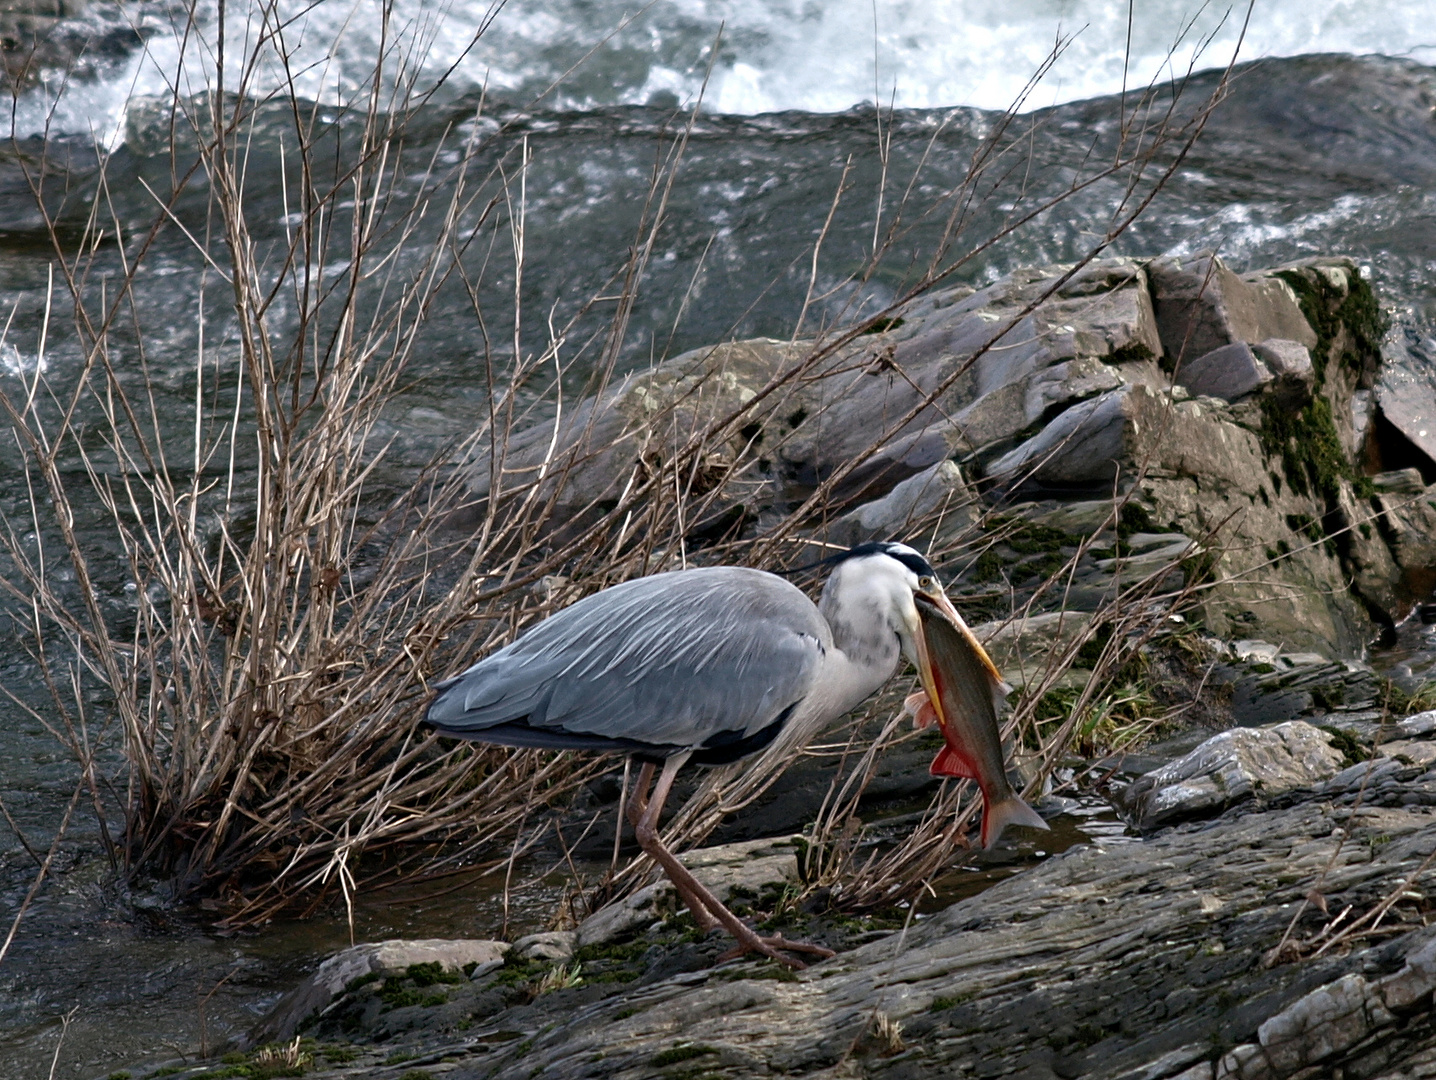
point(710, 656)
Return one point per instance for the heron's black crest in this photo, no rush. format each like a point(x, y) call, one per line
point(901, 552)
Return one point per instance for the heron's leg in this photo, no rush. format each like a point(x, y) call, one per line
point(684, 881)
point(637, 806)
point(639, 803)
point(636, 809)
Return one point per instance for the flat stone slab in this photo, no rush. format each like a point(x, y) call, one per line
point(1138, 961)
point(315, 993)
point(749, 865)
point(1116, 960)
point(1229, 372)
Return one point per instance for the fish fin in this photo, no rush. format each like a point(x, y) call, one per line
point(948, 763)
point(919, 706)
point(1010, 811)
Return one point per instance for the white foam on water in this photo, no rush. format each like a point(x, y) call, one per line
point(14, 362)
point(811, 55)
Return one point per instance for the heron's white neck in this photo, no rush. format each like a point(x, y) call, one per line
point(865, 638)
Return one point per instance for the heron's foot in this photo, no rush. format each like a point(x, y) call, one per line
point(773, 947)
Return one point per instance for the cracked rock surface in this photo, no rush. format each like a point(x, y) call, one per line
point(1137, 960)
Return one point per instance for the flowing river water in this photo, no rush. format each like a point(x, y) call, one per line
point(1310, 154)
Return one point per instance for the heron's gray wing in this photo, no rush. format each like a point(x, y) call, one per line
point(669, 660)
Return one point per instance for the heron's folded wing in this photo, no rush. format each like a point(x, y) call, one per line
point(669, 660)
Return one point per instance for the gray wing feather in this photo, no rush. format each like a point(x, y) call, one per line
point(667, 660)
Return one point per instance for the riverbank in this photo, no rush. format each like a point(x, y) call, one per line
point(1213, 948)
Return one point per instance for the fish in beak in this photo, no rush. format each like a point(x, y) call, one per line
point(963, 692)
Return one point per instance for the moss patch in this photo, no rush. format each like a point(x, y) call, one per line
point(1352, 752)
point(676, 1054)
point(1328, 310)
point(1307, 443)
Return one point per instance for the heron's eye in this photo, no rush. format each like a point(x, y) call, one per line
point(925, 583)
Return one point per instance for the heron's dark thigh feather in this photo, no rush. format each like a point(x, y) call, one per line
point(729, 746)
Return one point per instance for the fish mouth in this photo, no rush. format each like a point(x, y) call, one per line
point(938, 607)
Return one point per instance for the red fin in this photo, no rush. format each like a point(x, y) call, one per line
point(950, 763)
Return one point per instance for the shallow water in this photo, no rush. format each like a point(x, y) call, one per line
point(152, 983)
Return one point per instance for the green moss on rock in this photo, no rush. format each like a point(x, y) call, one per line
point(1328, 309)
point(676, 1054)
point(1309, 447)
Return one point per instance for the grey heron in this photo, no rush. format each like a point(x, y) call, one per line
point(711, 665)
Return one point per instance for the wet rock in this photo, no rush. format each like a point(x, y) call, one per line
point(1230, 372)
point(1003, 371)
point(1420, 752)
point(938, 493)
point(1270, 686)
point(1000, 368)
point(1332, 1021)
point(1201, 306)
point(1148, 551)
point(1408, 518)
point(1231, 767)
point(1082, 518)
point(1418, 725)
point(1053, 395)
point(749, 866)
point(1406, 391)
point(1290, 362)
point(366, 962)
point(1024, 647)
point(1278, 311)
point(1085, 446)
point(649, 416)
point(555, 945)
point(1399, 482)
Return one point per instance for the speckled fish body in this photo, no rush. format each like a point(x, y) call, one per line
point(967, 693)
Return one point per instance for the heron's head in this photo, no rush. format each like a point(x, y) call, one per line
point(882, 584)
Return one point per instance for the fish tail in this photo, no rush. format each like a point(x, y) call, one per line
point(1010, 811)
